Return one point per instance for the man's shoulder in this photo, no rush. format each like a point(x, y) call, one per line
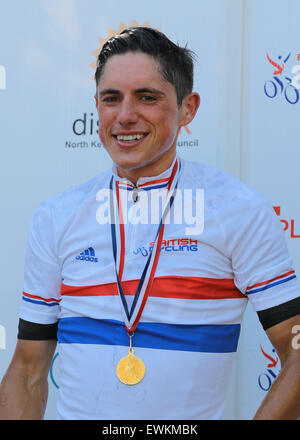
point(70, 199)
point(219, 186)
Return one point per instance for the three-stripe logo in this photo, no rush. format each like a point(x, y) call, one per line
point(87, 255)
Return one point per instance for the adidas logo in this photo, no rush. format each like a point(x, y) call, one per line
point(87, 255)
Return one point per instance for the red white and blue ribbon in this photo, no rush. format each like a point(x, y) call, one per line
point(132, 316)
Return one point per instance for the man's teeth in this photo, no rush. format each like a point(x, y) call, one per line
point(131, 137)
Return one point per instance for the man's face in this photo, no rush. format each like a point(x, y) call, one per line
point(139, 118)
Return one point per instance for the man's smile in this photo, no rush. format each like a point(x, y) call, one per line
point(130, 136)
point(129, 139)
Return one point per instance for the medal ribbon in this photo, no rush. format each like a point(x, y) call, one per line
point(132, 316)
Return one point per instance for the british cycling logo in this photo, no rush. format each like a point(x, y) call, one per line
point(282, 84)
point(174, 245)
point(87, 124)
point(266, 378)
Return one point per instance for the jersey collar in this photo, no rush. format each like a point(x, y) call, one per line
point(159, 181)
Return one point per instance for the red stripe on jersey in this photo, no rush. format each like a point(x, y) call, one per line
point(41, 298)
point(150, 183)
point(154, 182)
point(273, 279)
point(165, 287)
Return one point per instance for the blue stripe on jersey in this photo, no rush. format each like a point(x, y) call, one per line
point(145, 188)
point(161, 185)
point(268, 286)
point(42, 303)
point(197, 338)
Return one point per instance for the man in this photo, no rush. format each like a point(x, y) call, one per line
point(153, 334)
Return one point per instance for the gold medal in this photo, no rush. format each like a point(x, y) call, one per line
point(131, 369)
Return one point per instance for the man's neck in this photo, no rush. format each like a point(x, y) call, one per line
point(151, 170)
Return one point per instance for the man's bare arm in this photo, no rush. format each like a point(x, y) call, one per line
point(283, 399)
point(24, 387)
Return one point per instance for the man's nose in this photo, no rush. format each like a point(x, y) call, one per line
point(127, 114)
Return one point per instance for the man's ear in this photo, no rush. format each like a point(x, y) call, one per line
point(189, 107)
point(96, 100)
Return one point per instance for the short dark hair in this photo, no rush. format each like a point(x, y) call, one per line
point(176, 63)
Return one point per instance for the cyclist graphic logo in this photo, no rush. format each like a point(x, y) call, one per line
point(281, 85)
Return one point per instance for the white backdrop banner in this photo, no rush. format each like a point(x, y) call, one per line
point(247, 73)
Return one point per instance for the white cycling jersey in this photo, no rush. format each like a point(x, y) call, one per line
point(189, 329)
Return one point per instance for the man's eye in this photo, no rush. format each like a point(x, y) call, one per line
point(148, 98)
point(109, 99)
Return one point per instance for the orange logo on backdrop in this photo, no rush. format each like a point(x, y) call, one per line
point(112, 33)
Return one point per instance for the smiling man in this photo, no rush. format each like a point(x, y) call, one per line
point(139, 115)
point(152, 334)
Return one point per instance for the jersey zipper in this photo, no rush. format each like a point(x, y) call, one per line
point(135, 195)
